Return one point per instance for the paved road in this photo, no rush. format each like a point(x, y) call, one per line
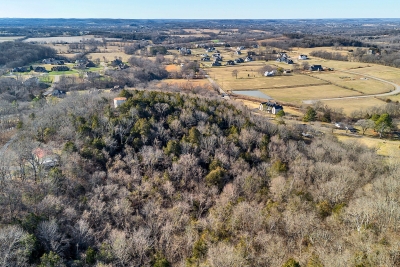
point(222, 92)
point(394, 92)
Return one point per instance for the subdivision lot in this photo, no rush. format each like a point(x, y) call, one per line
point(298, 94)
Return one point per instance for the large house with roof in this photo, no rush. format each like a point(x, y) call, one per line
point(270, 107)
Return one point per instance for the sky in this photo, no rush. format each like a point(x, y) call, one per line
point(200, 9)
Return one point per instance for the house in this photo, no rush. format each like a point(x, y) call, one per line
point(287, 71)
point(40, 69)
point(115, 88)
point(185, 51)
point(269, 73)
point(58, 93)
point(303, 57)
point(118, 101)
point(238, 52)
point(216, 55)
point(216, 64)
point(230, 62)
point(206, 58)
point(251, 53)
point(240, 48)
point(21, 69)
point(248, 59)
point(218, 59)
point(239, 60)
point(316, 68)
point(255, 46)
point(60, 68)
point(270, 107)
point(289, 61)
point(45, 157)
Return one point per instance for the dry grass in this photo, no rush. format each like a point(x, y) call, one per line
point(383, 72)
point(298, 94)
point(350, 105)
point(187, 83)
point(172, 68)
point(249, 78)
point(109, 56)
point(356, 82)
point(383, 147)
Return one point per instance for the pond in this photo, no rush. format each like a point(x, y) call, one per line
point(253, 93)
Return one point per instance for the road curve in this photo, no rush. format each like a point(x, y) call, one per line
point(394, 92)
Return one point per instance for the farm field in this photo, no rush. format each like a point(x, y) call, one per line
point(186, 83)
point(356, 82)
point(66, 39)
point(298, 94)
point(109, 56)
point(247, 81)
point(384, 72)
point(10, 38)
point(350, 105)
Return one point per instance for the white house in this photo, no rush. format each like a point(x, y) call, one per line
point(303, 57)
point(269, 73)
point(270, 107)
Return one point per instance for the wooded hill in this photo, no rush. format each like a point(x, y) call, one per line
point(18, 54)
point(171, 179)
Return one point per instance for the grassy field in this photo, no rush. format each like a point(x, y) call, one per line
point(356, 82)
point(186, 83)
point(249, 78)
point(383, 147)
point(10, 38)
point(298, 94)
point(383, 72)
point(109, 56)
point(350, 105)
point(172, 68)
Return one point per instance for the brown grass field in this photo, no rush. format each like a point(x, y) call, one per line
point(187, 83)
point(356, 82)
point(350, 105)
point(172, 68)
point(383, 147)
point(298, 94)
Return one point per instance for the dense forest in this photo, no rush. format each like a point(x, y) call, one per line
point(18, 54)
point(170, 179)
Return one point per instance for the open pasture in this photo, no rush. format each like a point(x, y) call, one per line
point(10, 38)
point(354, 104)
point(354, 82)
point(298, 94)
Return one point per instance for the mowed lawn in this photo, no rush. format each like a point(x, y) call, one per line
point(350, 105)
point(356, 82)
point(298, 94)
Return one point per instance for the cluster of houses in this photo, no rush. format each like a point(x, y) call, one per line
point(53, 61)
point(184, 51)
point(270, 107)
point(283, 57)
point(83, 64)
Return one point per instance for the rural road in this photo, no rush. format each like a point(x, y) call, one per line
point(394, 92)
point(222, 92)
